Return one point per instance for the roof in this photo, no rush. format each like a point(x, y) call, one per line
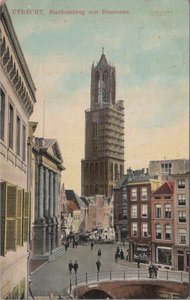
point(50, 147)
point(71, 195)
point(165, 189)
point(121, 181)
point(71, 206)
point(5, 16)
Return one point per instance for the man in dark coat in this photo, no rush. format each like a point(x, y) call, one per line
point(75, 266)
point(98, 264)
point(70, 266)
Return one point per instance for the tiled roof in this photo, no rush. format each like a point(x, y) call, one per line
point(71, 206)
point(71, 195)
point(165, 189)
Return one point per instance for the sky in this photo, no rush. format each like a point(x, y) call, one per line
point(149, 46)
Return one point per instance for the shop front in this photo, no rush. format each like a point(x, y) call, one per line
point(141, 253)
point(164, 255)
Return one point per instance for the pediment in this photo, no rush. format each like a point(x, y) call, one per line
point(53, 149)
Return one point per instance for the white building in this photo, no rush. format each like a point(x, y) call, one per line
point(17, 98)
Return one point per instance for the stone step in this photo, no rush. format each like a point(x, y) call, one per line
point(57, 253)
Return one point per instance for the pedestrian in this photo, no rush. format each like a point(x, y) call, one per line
point(150, 271)
point(70, 266)
point(75, 266)
point(138, 263)
point(91, 245)
point(155, 269)
point(121, 254)
point(76, 244)
point(73, 244)
point(99, 253)
point(98, 264)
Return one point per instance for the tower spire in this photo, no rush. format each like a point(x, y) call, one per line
point(102, 50)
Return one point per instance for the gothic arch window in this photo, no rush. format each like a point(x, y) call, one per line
point(116, 172)
point(97, 86)
point(91, 171)
point(106, 171)
point(105, 86)
point(96, 170)
point(113, 88)
point(91, 190)
point(101, 189)
point(111, 171)
point(96, 189)
point(86, 170)
point(101, 170)
point(121, 171)
point(86, 190)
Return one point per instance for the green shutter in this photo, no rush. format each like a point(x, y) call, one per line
point(11, 218)
point(3, 217)
point(26, 216)
point(19, 217)
point(11, 201)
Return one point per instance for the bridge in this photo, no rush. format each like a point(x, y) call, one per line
point(130, 285)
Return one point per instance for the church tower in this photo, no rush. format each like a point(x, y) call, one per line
point(103, 165)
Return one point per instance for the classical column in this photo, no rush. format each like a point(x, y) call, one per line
point(41, 193)
point(46, 204)
point(55, 195)
point(51, 198)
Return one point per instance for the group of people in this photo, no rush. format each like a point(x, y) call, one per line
point(153, 271)
point(119, 254)
point(74, 266)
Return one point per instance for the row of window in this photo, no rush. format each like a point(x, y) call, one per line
point(167, 213)
point(143, 194)
point(160, 232)
point(166, 233)
point(13, 120)
point(144, 211)
point(144, 229)
point(15, 217)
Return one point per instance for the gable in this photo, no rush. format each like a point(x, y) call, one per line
point(54, 150)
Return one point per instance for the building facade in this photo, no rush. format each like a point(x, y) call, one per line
point(164, 168)
point(181, 253)
point(139, 211)
point(162, 219)
point(17, 99)
point(103, 165)
point(47, 165)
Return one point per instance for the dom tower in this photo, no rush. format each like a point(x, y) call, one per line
point(104, 133)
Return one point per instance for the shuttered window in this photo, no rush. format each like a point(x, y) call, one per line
point(15, 217)
point(11, 218)
point(3, 208)
point(26, 216)
point(19, 217)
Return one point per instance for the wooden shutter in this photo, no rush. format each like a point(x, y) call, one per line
point(19, 217)
point(3, 217)
point(26, 216)
point(11, 218)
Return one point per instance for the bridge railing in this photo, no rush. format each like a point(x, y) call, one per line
point(136, 274)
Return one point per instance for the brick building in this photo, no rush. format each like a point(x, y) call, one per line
point(181, 253)
point(162, 218)
point(139, 211)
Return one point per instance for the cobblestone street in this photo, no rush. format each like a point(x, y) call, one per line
point(54, 277)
